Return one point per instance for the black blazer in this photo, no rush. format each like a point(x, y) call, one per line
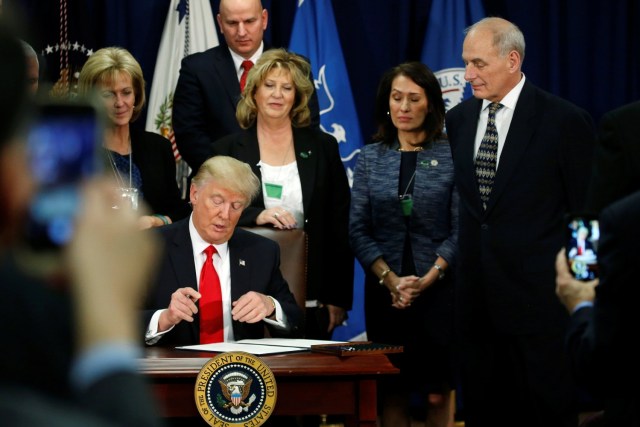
point(153, 155)
point(204, 104)
point(255, 266)
point(325, 198)
point(599, 338)
point(506, 253)
point(39, 321)
point(118, 400)
point(616, 171)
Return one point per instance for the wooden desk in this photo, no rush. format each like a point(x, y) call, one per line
point(308, 383)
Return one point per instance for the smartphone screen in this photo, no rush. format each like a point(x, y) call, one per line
point(583, 233)
point(62, 147)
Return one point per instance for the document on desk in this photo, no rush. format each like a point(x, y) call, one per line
point(260, 346)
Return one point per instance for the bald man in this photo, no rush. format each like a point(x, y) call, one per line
point(208, 89)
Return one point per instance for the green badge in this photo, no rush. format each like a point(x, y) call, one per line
point(274, 191)
point(406, 203)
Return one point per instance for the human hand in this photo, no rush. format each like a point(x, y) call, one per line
point(570, 291)
point(278, 217)
point(150, 221)
point(252, 307)
point(109, 261)
point(336, 316)
point(181, 307)
point(405, 291)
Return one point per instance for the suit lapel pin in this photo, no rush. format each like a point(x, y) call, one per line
point(427, 163)
point(241, 262)
point(305, 154)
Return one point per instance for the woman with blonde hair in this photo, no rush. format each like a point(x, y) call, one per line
point(304, 184)
point(142, 162)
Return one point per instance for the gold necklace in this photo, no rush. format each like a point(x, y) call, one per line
point(418, 148)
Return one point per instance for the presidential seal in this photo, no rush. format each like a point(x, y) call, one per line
point(235, 389)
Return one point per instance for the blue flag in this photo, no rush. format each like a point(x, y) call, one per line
point(315, 36)
point(442, 46)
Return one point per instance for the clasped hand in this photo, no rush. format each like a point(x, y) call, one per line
point(405, 291)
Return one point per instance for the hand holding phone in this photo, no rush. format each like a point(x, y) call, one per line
point(582, 236)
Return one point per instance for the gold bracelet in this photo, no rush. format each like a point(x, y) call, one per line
point(383, 275)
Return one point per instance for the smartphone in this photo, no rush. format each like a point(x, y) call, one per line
point(582, 236)
point(63, 144)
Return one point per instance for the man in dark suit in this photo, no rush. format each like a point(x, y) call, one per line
point(254, 293)
point(208, 89)
point(616, 170)
point(70, 347)
point(510, 323)
point(604, 318)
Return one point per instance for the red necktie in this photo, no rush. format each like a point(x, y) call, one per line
point(246, 66)
point(211, 324)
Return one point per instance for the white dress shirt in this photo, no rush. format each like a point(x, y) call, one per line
point(222, 266)
point(503, 118)
point(237, 59)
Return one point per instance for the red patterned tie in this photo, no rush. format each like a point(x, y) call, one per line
point(246, 66)
point(211, 324)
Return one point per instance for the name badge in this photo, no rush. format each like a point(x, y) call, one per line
point(406, 203)
point(274, 191)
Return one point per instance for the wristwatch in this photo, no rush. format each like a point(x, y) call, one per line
point(440, 271)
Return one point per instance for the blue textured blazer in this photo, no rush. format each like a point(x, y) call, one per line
point(377, 226)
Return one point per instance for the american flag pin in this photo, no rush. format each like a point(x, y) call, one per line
point(242, 262)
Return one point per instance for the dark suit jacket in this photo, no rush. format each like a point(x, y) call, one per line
point(255, 266)
point(36, 358)
point(599, 338)
point(119, 400)
point(506, 253)
point(38, 319)
point(616, 171)
point(325, 199)
point(153, 155)
point(204, 104)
